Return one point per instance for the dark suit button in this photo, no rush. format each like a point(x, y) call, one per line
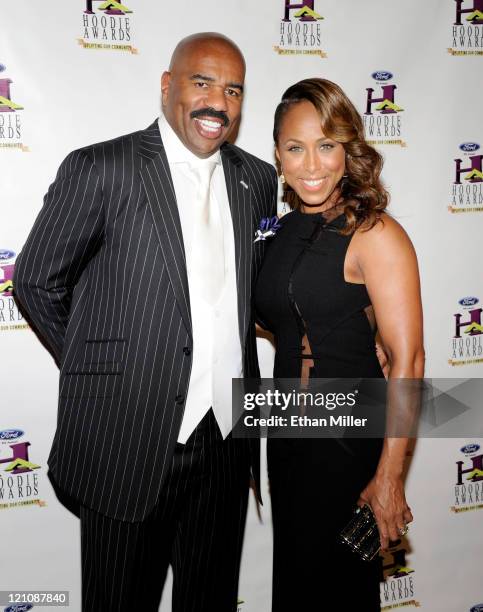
point(179, 399)
point(186, 350)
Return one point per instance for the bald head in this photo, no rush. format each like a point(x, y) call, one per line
point(202, 91)
point(201, 43)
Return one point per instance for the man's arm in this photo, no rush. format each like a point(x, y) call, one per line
point(65, 236)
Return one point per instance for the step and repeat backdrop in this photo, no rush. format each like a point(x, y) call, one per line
point(81, 71)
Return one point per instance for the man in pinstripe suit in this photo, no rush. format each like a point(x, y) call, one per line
point(138, 275)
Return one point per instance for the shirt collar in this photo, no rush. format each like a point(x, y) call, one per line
point(176, 152)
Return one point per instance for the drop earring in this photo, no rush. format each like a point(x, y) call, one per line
point(282, 178)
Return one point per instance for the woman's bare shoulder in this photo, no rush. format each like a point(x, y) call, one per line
point(386, 233)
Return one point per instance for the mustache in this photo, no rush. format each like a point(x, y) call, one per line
point(211, 112)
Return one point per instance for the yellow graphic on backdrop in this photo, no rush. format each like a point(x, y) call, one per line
point(475, 16)
point(21, 463)
point(474, 327)
point(111, 4)
point(6, 286)
point(400, 569)
point(475, 474)
point(385, 104)
point(306, 11)
point(6, 102)
point(474, 174)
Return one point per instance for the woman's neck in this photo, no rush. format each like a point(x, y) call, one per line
point(331, 208)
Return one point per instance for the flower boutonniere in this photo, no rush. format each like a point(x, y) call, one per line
point(268, 227)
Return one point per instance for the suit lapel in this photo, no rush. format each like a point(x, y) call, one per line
point(238, 188)
point(158, 184)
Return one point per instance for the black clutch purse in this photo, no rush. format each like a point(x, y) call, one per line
point(361, 534)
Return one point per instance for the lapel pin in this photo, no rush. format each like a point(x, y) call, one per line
point(244, 184)
point(268, 227)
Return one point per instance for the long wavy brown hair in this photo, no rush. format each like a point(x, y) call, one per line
point(363, 193)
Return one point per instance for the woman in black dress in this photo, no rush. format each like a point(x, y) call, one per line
point(338, 269)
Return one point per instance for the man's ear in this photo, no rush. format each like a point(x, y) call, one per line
point(165, 80)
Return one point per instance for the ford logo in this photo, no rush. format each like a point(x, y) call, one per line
point(468, 449)
point(2, 67)
point(4, 254)
point(468, 147)
point(19, 608)
point(11, 434)
point(468, 301)
point(477, 608)
point(382, 75)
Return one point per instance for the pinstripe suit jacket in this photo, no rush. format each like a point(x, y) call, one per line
point(102, 277)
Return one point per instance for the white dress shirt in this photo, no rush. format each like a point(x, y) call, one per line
point(217, 350)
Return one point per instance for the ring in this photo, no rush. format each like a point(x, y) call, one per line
point(404, 530)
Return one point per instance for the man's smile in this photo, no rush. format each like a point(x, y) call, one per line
point(209, 128)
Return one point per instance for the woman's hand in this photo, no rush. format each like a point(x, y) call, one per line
point(385, 495)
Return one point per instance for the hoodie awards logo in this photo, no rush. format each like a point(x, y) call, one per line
point(300, 30)
point(10, 316)
point(467, 187)
point(467, 32)
point(383, 122)
point(397, 589)
point(106, 24)
point(19, 480)
point(10, 115)
point(468, 490)
point(466, 344)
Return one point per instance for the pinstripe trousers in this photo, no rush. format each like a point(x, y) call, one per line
point(196, 527)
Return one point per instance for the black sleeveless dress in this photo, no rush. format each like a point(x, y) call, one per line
point(321, 330)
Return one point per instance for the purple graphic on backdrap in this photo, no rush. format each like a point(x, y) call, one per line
point(7, 265)
point(395, 561)
point(468, 489)
point(109, 7)
point(471, 326)
point(19, 476)
point(10, 120)
point(106, 24)
point(387, 95)
point(382, 114)
point(18, 462)
point(6, 103)
point(6, 280)
point(467, 28)
point(300, 29)
point(10, 316)
point(467, 179)
point(473, 471)
point(470, 11)
point(398, 586)
point(466, 343)
point(300, 6)
point(386, 103)
point(474, 170)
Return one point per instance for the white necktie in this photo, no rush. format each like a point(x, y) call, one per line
point(208, 268)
